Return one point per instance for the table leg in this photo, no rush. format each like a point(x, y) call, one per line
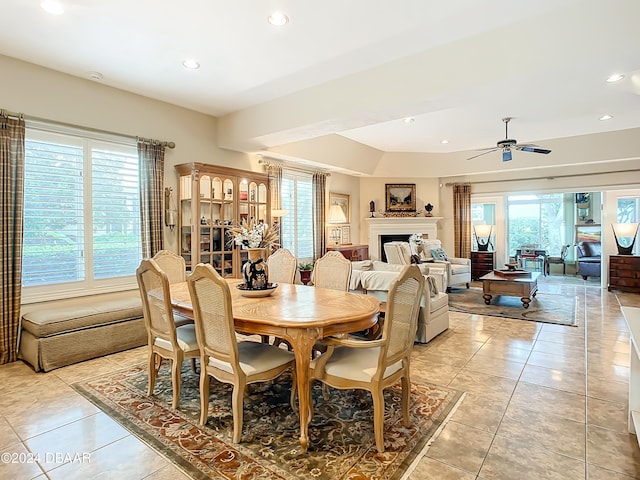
point(302, 342)
point(487, 298)
point(525, 302)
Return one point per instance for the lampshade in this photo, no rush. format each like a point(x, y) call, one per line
point(483, 236)
point(279, 213)
point(336, 215)
point(625, 235)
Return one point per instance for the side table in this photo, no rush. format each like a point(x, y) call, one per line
point(482, 263)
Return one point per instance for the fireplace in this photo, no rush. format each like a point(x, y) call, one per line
point(397, 229)
point(390, 238)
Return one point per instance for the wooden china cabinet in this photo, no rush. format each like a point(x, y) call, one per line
point(212, 200)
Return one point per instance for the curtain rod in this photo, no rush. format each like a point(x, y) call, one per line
point(90, 129)
point(550, 177)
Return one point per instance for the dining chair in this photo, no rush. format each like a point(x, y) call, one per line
point(282, 266)
point(374, 365)
point(165, 339)
point(176, 269)
point(172, 264)
point(221, 355)
point(333, 271)
point(561, 260)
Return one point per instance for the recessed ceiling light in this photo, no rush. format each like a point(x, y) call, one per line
point(445, 141)
point(278, 19)
point(190, 64)
point(616, 77)
point(409, 120)
point(52, 6)
point(606, 117)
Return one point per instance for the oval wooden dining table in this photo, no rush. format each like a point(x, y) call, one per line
point(299, 314)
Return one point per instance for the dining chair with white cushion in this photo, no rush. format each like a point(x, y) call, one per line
point(333, 271)
point(165, 339)
point(374, 365)
point(222, 356)
point(282, 266)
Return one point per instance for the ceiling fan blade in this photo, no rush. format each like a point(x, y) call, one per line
point(483, 153)
point(533, 149)
point(506, 155)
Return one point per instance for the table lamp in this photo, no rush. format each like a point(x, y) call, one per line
point(625, 235)
point(276, 214)
point(336, 215)
point(483, 236)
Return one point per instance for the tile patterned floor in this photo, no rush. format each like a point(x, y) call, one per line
point(543, 401)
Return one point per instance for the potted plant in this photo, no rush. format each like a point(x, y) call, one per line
point(305, 270)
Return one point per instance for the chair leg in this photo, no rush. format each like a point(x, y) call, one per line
point(204, 396)
point(151, 368)
point(194, 367)
point(237, 405)
point(378, 418)
point(175, 380)
point(406, 397)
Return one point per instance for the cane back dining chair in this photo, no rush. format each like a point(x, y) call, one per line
point(374, 365)
point(282, 266)
point(333, 271)
point(172, 264)
point(222, 356)
point(165, 340)
point(176, 269)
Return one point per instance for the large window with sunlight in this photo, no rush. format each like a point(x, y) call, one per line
point(297, 225)
point(536, 220)
point(81, 212)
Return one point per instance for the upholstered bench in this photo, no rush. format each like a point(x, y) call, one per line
point(56, 334)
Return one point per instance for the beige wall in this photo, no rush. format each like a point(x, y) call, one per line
point(46, 94)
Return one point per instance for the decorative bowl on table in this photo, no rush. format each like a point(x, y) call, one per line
point(256, 293)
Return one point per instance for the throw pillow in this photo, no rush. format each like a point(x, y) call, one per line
point(439, 254)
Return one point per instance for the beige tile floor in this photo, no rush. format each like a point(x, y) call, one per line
point(542, 401)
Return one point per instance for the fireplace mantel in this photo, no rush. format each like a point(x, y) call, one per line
point(398, 226)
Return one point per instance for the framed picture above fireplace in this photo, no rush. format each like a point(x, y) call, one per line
point(400, 197)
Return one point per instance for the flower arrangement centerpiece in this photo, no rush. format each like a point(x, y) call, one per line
point(252, 234)
point(257, 238)
point(416, 239)
point(416, 242)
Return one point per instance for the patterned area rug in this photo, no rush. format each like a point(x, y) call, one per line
point(342, 444)
point(545, 307)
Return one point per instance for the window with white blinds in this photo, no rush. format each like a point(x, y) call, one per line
point(297, 225)
point(81, 213)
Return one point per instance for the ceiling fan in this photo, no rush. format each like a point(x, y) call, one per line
point(509, 144)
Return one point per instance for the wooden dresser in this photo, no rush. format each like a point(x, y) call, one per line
point(624, 273)
point(351, 251)
point(482, 263)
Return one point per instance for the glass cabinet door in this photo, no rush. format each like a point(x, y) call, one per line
point(212, 201)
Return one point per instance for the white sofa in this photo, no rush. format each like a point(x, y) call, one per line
point(457, 270)
point(374, 278)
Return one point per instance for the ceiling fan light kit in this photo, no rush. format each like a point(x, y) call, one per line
point(509, 144)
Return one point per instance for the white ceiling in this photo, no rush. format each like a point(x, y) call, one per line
point(457, 67)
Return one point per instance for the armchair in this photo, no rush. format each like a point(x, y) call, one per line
point(589, 259)
point(456, 270)
point(375, 278)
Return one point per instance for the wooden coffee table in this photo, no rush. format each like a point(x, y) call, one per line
point(525, 287)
